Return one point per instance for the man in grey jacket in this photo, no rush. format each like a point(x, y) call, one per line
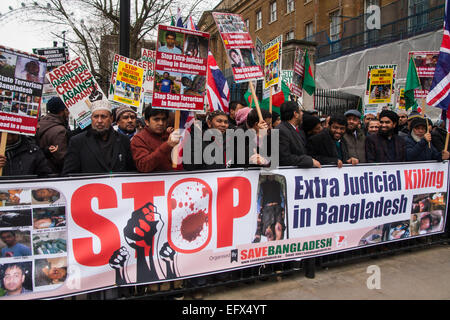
point(354, 136)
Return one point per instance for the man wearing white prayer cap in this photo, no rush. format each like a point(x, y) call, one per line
point(100, 149)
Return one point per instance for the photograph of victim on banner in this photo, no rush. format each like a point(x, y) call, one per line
point(135, 229)
point(55, 57)
point(181, 69)
point(21, 84)
point(77, 88)
point(239, 46)
point(380, 87)
point(425, 62)
point(298, 73)
point(272, 62)
point(149, 57)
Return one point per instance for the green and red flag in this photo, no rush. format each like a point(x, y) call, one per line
point(412, 83)
point(309, 84)
point(277, 99)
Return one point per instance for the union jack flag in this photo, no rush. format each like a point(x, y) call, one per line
point(439, 94)
point(218, 92)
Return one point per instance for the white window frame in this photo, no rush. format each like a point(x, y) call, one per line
point(290, 6)
point(290, 35)
point(273, 12)
point(309, 34)
point(258, 19)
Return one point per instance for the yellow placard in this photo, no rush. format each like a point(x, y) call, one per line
point(128, 86)
point(381, 85)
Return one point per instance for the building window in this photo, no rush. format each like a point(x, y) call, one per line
point(309, 31)
point(335, 29)
point(290, 35)
point(273, 12)
point(290, 6)
point(258, 19)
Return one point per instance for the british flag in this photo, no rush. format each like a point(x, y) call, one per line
point(218, 92)
point(439, 94)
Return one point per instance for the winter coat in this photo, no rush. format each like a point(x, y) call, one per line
point(25, 158)
point(85, 156)
point(53, 131)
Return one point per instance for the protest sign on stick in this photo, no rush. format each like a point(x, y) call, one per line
point(21, 85)
point(239, 46)
point(180, 69)
point(77, 88)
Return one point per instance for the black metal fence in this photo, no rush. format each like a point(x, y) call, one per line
point(329, 102)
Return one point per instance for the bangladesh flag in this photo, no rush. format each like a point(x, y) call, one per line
point(309, 84)
point(412, 82)
point(277, 99)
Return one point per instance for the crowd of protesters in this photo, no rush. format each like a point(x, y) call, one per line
point(119, 140)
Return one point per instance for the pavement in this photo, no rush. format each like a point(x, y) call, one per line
point(420, 274)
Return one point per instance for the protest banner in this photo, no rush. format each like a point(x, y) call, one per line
point(425, 62)
point(273, 62)
point(181, 69)
point(298, 73)
point(77, 88)
point(21, 84)
point(380, 86)
point(239, 46)
point(56, 56)
point(99, 232)
point(148, 56)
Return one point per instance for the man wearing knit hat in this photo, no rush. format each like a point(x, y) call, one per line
point(418, 143)
point(126, 121)
point(100, 148)
point(386, 145)
point(53, 133)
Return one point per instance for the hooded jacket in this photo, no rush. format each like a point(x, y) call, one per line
point(53, 131)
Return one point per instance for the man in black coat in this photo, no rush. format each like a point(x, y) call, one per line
point(386, 145)
point(292, 147)
point(23, 157)
point(328, 146)
point(100, 149)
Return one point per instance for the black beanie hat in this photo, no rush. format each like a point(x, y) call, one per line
point(55, 105)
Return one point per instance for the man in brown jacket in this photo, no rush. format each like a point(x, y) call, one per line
point(53, 133)
point(152, 147)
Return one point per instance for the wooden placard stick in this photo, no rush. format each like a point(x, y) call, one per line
point(426, 121)
point(252, 88)
point(176, 127)
point(270, 100)
point(3, 147)
point(446, 141)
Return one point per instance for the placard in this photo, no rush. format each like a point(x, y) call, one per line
point(77, 88)
point(21, 84)
point(239, 47)
point(181, 69)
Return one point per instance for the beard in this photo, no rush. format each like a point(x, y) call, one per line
point(387, 133)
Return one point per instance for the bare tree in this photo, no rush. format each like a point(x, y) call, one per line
point(83, 23)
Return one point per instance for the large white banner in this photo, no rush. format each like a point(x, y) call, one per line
point(73, 235)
